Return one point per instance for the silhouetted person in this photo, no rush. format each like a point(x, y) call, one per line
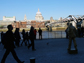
point(82, 31)
point(66, 32)
point(31, 33)
point(2, 34)
point(35, 33)
point(79, 32)
point(24, 37)
point(17, 37)
point(27, 38)
point(40, 33)
point(72, 36)
point(9, 45)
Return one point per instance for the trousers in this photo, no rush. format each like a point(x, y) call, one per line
point(7, 53)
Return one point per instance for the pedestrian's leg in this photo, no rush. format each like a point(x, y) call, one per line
point(15, 56)
point(5, 56)
point(25, 42)
point(35, 36)
point(28, 41)
point(75, 45)
point(22, 41)
point(41, 36)
point(30, 44)
point(70, 41)
point(18, 43)
point(33, 45)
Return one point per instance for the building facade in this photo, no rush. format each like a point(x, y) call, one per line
point(9, 18)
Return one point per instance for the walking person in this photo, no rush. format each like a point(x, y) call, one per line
point(31, 33)
point(23, 35)
point(72, 36)
point(40, 33)
point(9, 45)
point(35, 33)
point(17, 37)
point(27, 38)
point(2, 34)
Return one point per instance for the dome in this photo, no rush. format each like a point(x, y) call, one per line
point(38, 13)
point(39, 16)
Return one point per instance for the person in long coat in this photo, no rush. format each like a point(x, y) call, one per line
point(17, 37)
point(31, 34)
point(72, 36)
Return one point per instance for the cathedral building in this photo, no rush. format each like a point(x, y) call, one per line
point(38, 22)
point(39, 16)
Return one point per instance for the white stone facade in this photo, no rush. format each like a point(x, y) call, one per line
point(39, 16)
point(9, 18)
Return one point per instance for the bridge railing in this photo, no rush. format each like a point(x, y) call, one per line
point(53, 34)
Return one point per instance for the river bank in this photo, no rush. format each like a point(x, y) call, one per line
point(43, 29)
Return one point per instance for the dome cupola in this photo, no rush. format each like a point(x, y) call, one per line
point(39, 16)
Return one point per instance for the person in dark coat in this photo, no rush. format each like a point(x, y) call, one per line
point(17, 37)
point(9, 45)
point(40, 33)
point(31, 33)
point(72, 35)
point(27, 38)
point(24, 37)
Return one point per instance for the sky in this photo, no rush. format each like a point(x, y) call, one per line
point(48, 8)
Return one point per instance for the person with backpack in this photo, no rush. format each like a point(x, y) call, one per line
point(8, 42)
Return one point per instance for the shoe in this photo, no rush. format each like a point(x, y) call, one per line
point(21, 62)
point(68, 49)
point(28, 47)
point(25, 44)
point(21, 44)
point(76, 49)
point(34, 50)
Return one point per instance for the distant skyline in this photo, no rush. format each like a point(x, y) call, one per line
point(48, 8)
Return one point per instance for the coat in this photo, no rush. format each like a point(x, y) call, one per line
point(9, 40)
point(72, 31)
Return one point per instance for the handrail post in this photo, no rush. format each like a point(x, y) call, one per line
point(32, 60)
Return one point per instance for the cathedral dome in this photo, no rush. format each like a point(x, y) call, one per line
point(38, 13)
point(39, 16)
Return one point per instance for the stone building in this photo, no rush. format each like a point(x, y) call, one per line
point(38, 22)
point(39, 16)
point(9, 18)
